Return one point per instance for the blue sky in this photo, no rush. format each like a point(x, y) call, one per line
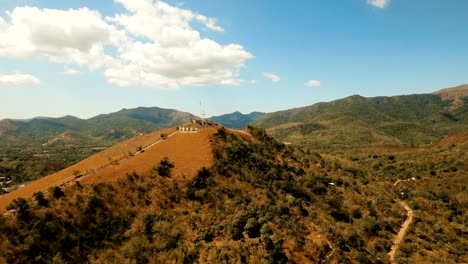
point(85, 58)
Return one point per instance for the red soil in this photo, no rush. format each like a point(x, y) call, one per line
point(188, 151)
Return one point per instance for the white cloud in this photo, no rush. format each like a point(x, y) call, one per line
point(253, 82)
point(271, 76)
point(17, 79)
point(379, 3)
point(312, 83)
point(151, 44)
point(74, 36)
point(70, 71)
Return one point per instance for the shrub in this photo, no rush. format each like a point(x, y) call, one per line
point(22, 209)
point(252, 227)
point(201, 180)
point(356, 213)
point(40, 199)
point(222, 133)
point(340, 216)
point(56, 192)
point(355, 241)
point(164, 167)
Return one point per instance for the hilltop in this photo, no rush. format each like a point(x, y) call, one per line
point(31, 149)
point(190, 151)
point(356, 121)
point(241, 196)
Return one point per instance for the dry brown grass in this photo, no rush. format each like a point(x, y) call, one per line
point(188, 151)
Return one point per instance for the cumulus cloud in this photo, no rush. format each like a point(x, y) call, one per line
point(271, 76)
point(17, 79)
point(312, 83)
point(75, 36)
point(151, 44)
point(379, 3)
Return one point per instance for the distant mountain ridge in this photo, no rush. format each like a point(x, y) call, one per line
point(107, 128)
point(352, 121)
point(358, 121)
point(236, 120)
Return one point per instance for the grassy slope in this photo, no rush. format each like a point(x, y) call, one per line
point(357, 121)
point(33, 149)
point(108, 128)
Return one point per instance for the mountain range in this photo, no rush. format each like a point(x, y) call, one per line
point(353, 121)
point(356, 121)
point(102, 129)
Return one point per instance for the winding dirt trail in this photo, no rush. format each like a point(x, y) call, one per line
point(401, 235)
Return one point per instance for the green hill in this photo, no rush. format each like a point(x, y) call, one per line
point(236, 120)
point(379, 121)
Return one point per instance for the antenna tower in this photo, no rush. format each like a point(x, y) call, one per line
point(202, 114)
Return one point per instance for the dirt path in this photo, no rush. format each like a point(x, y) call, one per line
point(89, 168)
point(401, 235)
point(398, 181)
point(98, 169)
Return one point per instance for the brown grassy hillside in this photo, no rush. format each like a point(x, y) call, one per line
point(189, 152)
point(259, 201)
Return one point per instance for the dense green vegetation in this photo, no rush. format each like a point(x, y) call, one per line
point(23, 164)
